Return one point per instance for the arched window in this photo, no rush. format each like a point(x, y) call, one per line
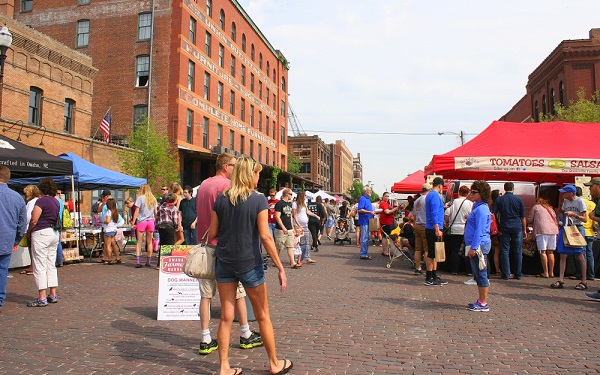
point(552, 101)
point(544, 109)
point(282, 84)
point(233, 31)
point(260, 60)
point(268, 68)
point(243, 42)
point(252, 52)
point(209, 7)
point(274, 75)
point(536, 111)
point(222, 19)
point(561, 92)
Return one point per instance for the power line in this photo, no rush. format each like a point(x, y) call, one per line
point(375, 133)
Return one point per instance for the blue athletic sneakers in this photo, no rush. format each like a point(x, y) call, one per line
point(478, 307)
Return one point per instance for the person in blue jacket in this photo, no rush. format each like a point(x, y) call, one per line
point(478, 242)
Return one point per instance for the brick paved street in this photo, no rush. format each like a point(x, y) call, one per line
point(340, 316)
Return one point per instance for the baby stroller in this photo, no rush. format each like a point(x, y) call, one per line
point(342, 232)
point(397, 252)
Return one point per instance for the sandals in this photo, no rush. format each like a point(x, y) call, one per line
point(52, 299)
point(285, 368)
point(557, 285)
point(581, 286)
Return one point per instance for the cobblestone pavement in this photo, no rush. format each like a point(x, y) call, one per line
point(340, 316)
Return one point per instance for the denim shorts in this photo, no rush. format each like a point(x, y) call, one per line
point(249, 279)
point(110, 234)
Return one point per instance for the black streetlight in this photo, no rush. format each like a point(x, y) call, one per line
point(5, 42)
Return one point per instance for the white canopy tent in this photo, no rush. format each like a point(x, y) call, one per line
point(322, 194)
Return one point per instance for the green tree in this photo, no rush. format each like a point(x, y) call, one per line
point(355, 191)
point(294, 164)
point(580, 110)
point(153, 158)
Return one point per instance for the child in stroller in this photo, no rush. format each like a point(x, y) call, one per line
point(342, 232)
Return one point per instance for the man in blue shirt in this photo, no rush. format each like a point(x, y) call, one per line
point(434, 211)
point(510, 215)
point(12, 226)
point(365, 212)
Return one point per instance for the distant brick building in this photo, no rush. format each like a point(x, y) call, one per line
point(357, 168)
point(342, 173)
point(573, 64)
point(202, 70)
point(316, 159)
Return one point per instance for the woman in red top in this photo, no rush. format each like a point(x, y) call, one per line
point(387, 220)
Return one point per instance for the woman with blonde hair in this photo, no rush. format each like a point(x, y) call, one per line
point(146, 204)
point(300, 213)
point(177, 190)
point(32, 194)
point(545, 229)
point(240, 221)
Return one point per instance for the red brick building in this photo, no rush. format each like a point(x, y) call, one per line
point(343, 169)
point(572, 65)
point(201, 70)
point(316, 159)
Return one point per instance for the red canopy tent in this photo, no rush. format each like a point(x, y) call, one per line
point(411, 184)
point(538, 152)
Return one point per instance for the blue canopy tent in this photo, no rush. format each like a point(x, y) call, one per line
point(86, 176)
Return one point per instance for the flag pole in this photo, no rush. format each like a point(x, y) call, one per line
point(98, 128)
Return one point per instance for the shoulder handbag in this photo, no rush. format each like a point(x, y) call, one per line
point(448, 230)
point(374, 224)
point(571, 235)
point(200, 261)
point(493, 225)
point(440, 250)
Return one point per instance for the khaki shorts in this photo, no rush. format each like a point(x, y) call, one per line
point(284, 241)
point(420, 240)
point(208, 289)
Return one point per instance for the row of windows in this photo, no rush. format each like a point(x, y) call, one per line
point(233, 38)
point(544, 109)
point(34, 114)
point(144, 29)
point(27, 5)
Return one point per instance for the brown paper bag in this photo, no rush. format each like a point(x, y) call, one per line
point(440, 251)
point(572, 237)
point(374, 224)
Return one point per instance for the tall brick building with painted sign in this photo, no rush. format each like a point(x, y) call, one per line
point(202, 70)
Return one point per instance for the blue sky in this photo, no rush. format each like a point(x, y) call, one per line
point(418, 67)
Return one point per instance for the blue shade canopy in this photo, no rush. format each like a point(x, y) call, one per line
point(24, 161)
point(87, 176)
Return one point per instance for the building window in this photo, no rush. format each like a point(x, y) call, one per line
point(209, 7)
point(26, 5)
point(206, 86)
point(207, 40)
point(205, 133)
point(222, 19)
point(219, 135)
point(232, 102)
point(144, 26)
point(552, 101)
point(251, 148)
point(282, 135)
point(544, 104)
point(83, 33)
point(561, 92)
point(273, 101)
point(252, 82)
point(274, 160)
point(142, 70)
point(259, 121)
point(267, 125)
point(274, 136)
point(243, 109)
point(268, 69)
point(282, 108)
point(189, 126)
point(83, 2)
point(232, 66)
point(233, 31)
point(191, 75)
point(260, 60)
point(69, 105)
point(220, 95)
point(282, 84)
point(140, 113)
point(267, 96)
point(252, 51)
point(266, 155)
point(35, 106)
point(536, 110)
point(243, 42)
point(259, 152)
point(260, 89)
point(231, 134)
point(242, 144)
point(221, 52)
point(305, 168)
point(193, 30)
point(274, 75)
point(243, 75)
point(251, 115)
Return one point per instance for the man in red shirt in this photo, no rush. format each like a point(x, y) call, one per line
point(272, 219)
point(387, 220)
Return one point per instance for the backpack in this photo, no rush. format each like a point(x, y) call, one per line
point(67, 222)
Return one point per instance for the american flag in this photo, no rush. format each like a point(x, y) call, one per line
point(105, 126)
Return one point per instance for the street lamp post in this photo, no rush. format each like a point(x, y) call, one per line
point(5, 42)
point(461, 135)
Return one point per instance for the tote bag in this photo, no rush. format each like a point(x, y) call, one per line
point(200, 261)
point(560, 245)
point(440, 251)
point(374, 224)
point(571, 235)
